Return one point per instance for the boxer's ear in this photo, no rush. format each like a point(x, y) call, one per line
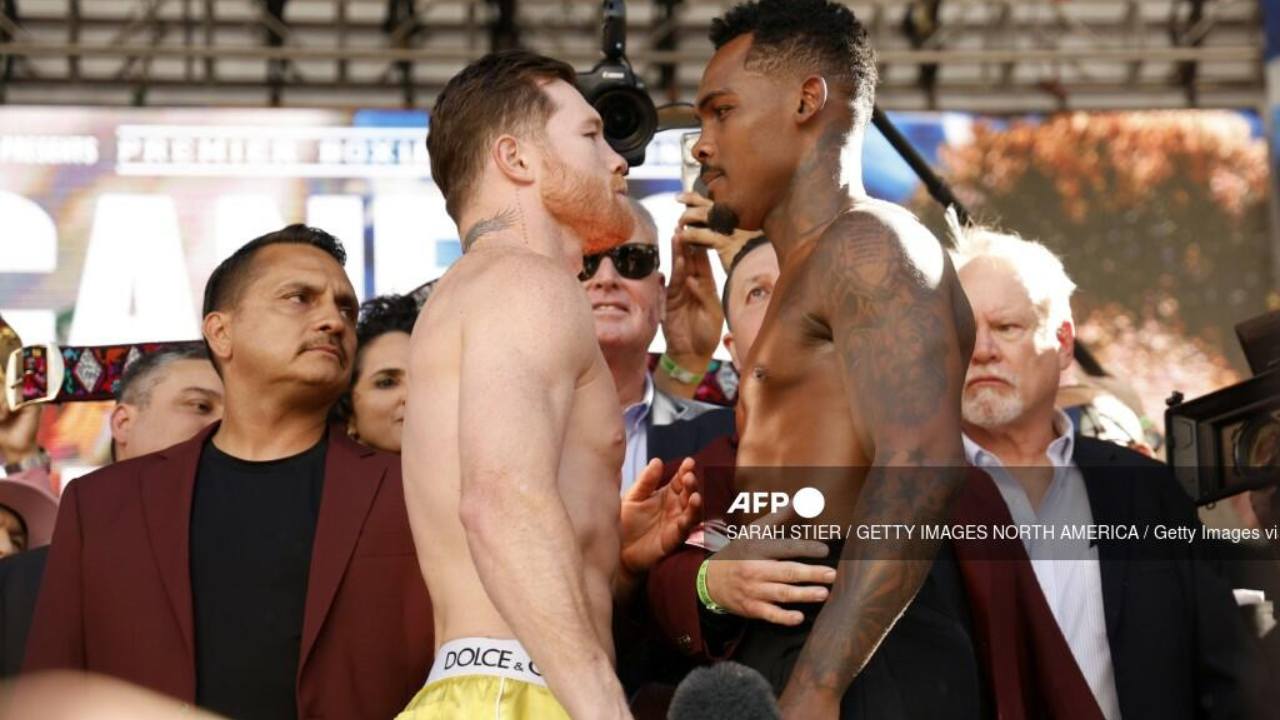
point(813, 97)
point(512, 158)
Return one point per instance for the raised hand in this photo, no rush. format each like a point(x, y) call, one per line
point(654, 520)
point(694, 317)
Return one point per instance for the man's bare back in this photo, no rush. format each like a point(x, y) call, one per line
point(481, 364)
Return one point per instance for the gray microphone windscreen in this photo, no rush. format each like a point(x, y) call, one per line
point(724, 691)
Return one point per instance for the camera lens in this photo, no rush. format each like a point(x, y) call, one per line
point(1257, 450)
point(624, 117)
point(619, 114)
point(1265, 449)
point(630, 121)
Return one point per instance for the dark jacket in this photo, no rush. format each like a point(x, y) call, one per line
point(19, 584)
point(1177, 641)
point(116, 598)
point(679, 428)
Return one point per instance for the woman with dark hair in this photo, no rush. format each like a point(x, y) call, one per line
point(373, 409)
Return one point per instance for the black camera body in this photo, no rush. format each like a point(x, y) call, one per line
point(1228, 442)
point(612, 88)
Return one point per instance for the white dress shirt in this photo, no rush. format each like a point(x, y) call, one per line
point(637, 429)
point(1068, 570)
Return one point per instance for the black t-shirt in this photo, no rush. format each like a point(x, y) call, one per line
point(252, 524)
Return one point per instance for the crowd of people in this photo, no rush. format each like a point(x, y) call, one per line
point(497, 505)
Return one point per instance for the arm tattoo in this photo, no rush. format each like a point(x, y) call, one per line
point(496, 223)
point(886, 324)
point(896, 338)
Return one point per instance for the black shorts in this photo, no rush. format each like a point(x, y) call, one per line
point(926, 668)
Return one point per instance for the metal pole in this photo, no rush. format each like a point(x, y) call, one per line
point(938, 188)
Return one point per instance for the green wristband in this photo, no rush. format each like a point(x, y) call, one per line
point(672, 368)
point(705, 596)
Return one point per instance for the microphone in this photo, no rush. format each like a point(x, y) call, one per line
point(724, 691)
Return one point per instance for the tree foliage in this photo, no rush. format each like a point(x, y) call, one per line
point(1160, 217)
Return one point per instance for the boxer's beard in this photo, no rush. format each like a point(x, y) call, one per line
point(590, 208)
point(722, 219)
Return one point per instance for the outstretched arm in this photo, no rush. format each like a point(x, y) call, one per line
point(889, 301)
point(653, 522)
point(522, 356)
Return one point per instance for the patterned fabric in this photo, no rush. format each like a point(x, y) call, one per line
point(89, 373)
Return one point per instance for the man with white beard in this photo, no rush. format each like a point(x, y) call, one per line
point(1177, 653)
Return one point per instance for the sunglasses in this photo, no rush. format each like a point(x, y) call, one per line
point(633, 262)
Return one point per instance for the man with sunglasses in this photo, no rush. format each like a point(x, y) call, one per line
point(628, 302)
point(629, 299)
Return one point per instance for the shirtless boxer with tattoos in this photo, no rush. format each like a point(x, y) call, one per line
point(853, 383)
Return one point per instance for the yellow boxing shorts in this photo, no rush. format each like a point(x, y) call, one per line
point(484, 678)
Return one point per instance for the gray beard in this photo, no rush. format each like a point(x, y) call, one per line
point(990, 410)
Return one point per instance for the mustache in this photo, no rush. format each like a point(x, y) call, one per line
point(315, 344)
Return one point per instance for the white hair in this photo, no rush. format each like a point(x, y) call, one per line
point(1037, 268)
point(644, 218)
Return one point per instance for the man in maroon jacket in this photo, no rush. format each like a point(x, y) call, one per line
point(264, 568)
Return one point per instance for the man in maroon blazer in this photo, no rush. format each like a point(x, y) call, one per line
point(264, 568)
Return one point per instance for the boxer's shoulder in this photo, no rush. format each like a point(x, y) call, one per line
point(499, 273)
point(878, 247)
